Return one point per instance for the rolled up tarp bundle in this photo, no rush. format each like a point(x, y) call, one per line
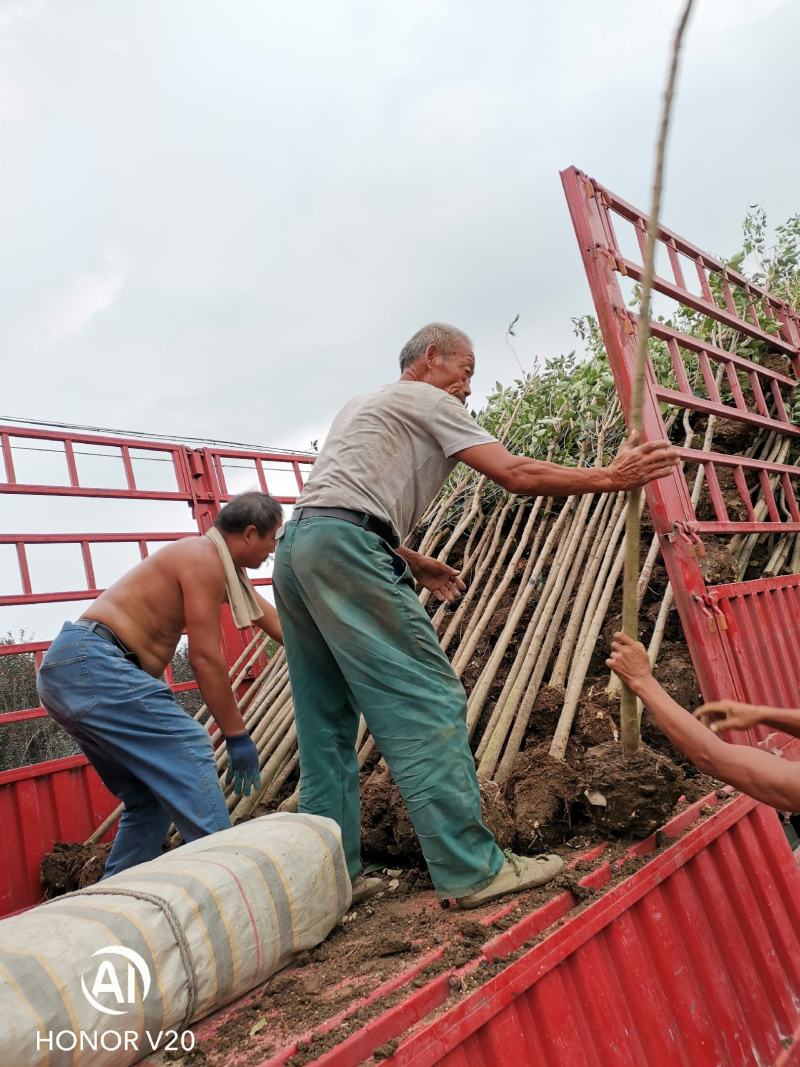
point(105, 974)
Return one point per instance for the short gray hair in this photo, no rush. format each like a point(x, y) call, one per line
point(435, 333)
point(250, 509)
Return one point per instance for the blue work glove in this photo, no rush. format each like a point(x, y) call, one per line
point(242, 764)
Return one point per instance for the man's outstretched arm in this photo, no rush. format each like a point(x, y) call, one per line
point(634, 465)
point(766, 777)
point(721, 715)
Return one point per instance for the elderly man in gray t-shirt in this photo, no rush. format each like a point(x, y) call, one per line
point(359, 641)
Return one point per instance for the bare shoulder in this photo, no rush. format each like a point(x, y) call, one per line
point(196, 559)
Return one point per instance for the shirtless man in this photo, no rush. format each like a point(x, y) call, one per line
point(101, 680)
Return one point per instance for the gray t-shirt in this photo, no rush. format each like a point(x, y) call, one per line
point(388, 453)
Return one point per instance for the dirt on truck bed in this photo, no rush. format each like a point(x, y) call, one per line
point(387, 949)
point(547, 802)
point(396, 946)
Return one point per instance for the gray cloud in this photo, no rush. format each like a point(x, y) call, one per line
point(224, 219)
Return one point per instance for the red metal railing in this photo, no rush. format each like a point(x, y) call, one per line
point(739, 631)
point(198, 477)
point(60, 800)
point(64, 799)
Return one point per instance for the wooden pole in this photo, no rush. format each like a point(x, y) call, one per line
point(630, 734)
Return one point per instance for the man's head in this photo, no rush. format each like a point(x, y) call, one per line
point(440, 355)
point(249, 523)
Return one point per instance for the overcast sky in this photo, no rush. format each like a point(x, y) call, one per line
point(223, 218)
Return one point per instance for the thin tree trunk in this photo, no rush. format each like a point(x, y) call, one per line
point(507, 693)
point(479, 694)
point(550, 634)
point(503, 717)
point(477, 563)
point(598, 554)
point(477, 627)
point(630, 733)
point(477, 584)
point(586, 645)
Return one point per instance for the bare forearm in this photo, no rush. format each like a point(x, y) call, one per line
point(269, 622)
point(761, 775)
point(633, 465)
point(785, 719)
point(215, 687)
point(534, 477)
point(689, 736)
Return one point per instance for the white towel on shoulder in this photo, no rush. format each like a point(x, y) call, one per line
point(245, 607)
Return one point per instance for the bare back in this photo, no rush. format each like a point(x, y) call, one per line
point(146, 607)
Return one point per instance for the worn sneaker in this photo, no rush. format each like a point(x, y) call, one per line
point(516, 874)
point(365, 887)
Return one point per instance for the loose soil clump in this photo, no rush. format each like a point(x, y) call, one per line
point(596, 721)
point(633, 795)
point(386, 829)
point(718, 565)
point(674, 671)
point(543, 791)
point(546, 710)
point(72, 866)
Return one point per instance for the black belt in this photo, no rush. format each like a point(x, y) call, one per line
point(108, 634)
point(357, 518)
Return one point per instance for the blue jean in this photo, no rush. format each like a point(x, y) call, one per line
point(148, 751)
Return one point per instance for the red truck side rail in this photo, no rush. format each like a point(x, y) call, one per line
point(64, 800)
point(737, 632)
point(693, 959)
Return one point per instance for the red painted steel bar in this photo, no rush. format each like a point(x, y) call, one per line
point(697, 944)
point(84, 540)
point(199, 482)
point(669, 499)
point(723, 411)
point(719, 355)
point(95, 538)
point(71, 467)
point(79, 491)
point(728, 635)
point(60, 800)
point(626, 210)
point(708, 307)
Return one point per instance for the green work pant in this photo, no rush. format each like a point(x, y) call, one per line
point(359, 641)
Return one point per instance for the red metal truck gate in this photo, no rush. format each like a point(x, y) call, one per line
point(64, 799)
point(744, 637)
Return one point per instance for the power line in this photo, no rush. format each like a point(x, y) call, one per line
point(149, 436)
